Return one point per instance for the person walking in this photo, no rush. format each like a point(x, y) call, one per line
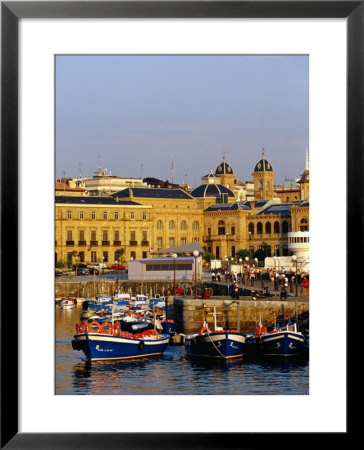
point(305, 284)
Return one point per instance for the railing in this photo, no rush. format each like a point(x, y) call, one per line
point(70, 243)
point(94, 243)
point(145, 242)
point(81, 242)
point(105, 243)
point(133, 243)
point(117, 242)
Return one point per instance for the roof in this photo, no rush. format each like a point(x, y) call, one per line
point(305, 177)
point(224, 168)
point(186, 248)
point(211, 190)
point(263, 166)
point(229, 206)
point(283, 209)
point(179, 194)
point(93, 201)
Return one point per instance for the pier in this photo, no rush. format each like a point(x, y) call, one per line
point(189, 312)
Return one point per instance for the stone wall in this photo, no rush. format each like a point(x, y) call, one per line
point(190, 313)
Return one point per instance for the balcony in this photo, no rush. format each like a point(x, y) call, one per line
point(105, 243)
point(70, 243)
point(94, 243)
point(145, 243)
point(133, 243)
point(81, 243)
point(117, 242)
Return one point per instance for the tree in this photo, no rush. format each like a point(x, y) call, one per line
point(262, 253)
point(208, 256)
point(119, 254)
point(242, 254)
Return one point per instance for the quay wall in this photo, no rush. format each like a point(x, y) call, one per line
point(189, 314)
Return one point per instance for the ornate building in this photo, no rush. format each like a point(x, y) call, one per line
point(137, 221)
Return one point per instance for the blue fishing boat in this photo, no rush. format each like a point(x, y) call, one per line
point(108, 342)
point(219, 343)
point(285, 341)
point(169, 326)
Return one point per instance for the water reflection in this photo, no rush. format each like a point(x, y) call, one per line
point(171, 373)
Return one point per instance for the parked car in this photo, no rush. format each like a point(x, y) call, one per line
point(58, 273)
point(117, 267)
point(81, 269)
point(92, 271)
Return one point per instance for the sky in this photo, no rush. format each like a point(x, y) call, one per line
point(141, 115)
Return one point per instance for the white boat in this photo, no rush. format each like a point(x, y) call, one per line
point(68, 303)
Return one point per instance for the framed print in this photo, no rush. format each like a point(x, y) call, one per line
point(43, 44)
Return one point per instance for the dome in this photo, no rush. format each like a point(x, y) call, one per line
point(263, 165)
point(224, 168)
point(211, 190)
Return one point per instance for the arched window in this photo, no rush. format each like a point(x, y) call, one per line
point(259, 228)
point(251, 228)
point(159, 225)
point(276, 227)
point(195, 225)
point(183, 225)
point(221, 227)
point(268, 228)
point(260, 185)
point(285, 227)
point(268, 185)
point(304, 224)
point(171, 225)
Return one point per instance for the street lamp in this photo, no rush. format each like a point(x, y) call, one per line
point(241, 274)
point(227, 244)
point(247, 270)
point(196, 254)
point(294, 259)
point(174, 256)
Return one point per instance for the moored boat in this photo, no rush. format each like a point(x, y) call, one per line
point(68, 303)
point(219, 343)
point(108, 342)
point(285, 341)
point(169, 326)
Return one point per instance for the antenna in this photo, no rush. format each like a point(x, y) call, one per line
point(79, 166)
point(172, 172)
point(99, 162)
point(141, 170)
point(223, 155)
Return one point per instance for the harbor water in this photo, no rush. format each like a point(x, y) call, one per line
point(171, 373)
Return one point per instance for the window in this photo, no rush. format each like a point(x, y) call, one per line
point(144, 216)
point(81, 235)
point(144, 236)
point(233, 251)
point(93, 257)
point(221, 227)
point(159, 242)
point(69, 235)
point(144, 255)
point(105, 215)
point(251, 228)
point(116, 215)
point(268, 228)
point(132, 215)
point(304, 224)
point(195, 226)
point(171, 225)
point(209, 231)
point(93, 215)
point(132, 235)
point(69, 215)
point(259, 228)
point(217, 252)
point(232, 230)
point(132, 255)
point(105, 257)
point(116, 235)
point(183, 241)
point(285, 227)
point(171, 242)
point(268, 185)
point(81, 215)
point(93, 235)
point(276, 227)
point(183, 225)
point(260, 186)
point(104, 235)
point(159, 225)
point(81, 255)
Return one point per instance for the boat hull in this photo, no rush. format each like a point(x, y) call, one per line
point(223, 345)
point(284, 343)
point(97, 347)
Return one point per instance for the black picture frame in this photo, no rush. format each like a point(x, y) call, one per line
point(11, 12)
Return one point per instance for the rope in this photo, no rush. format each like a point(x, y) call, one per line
point(208, 334)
